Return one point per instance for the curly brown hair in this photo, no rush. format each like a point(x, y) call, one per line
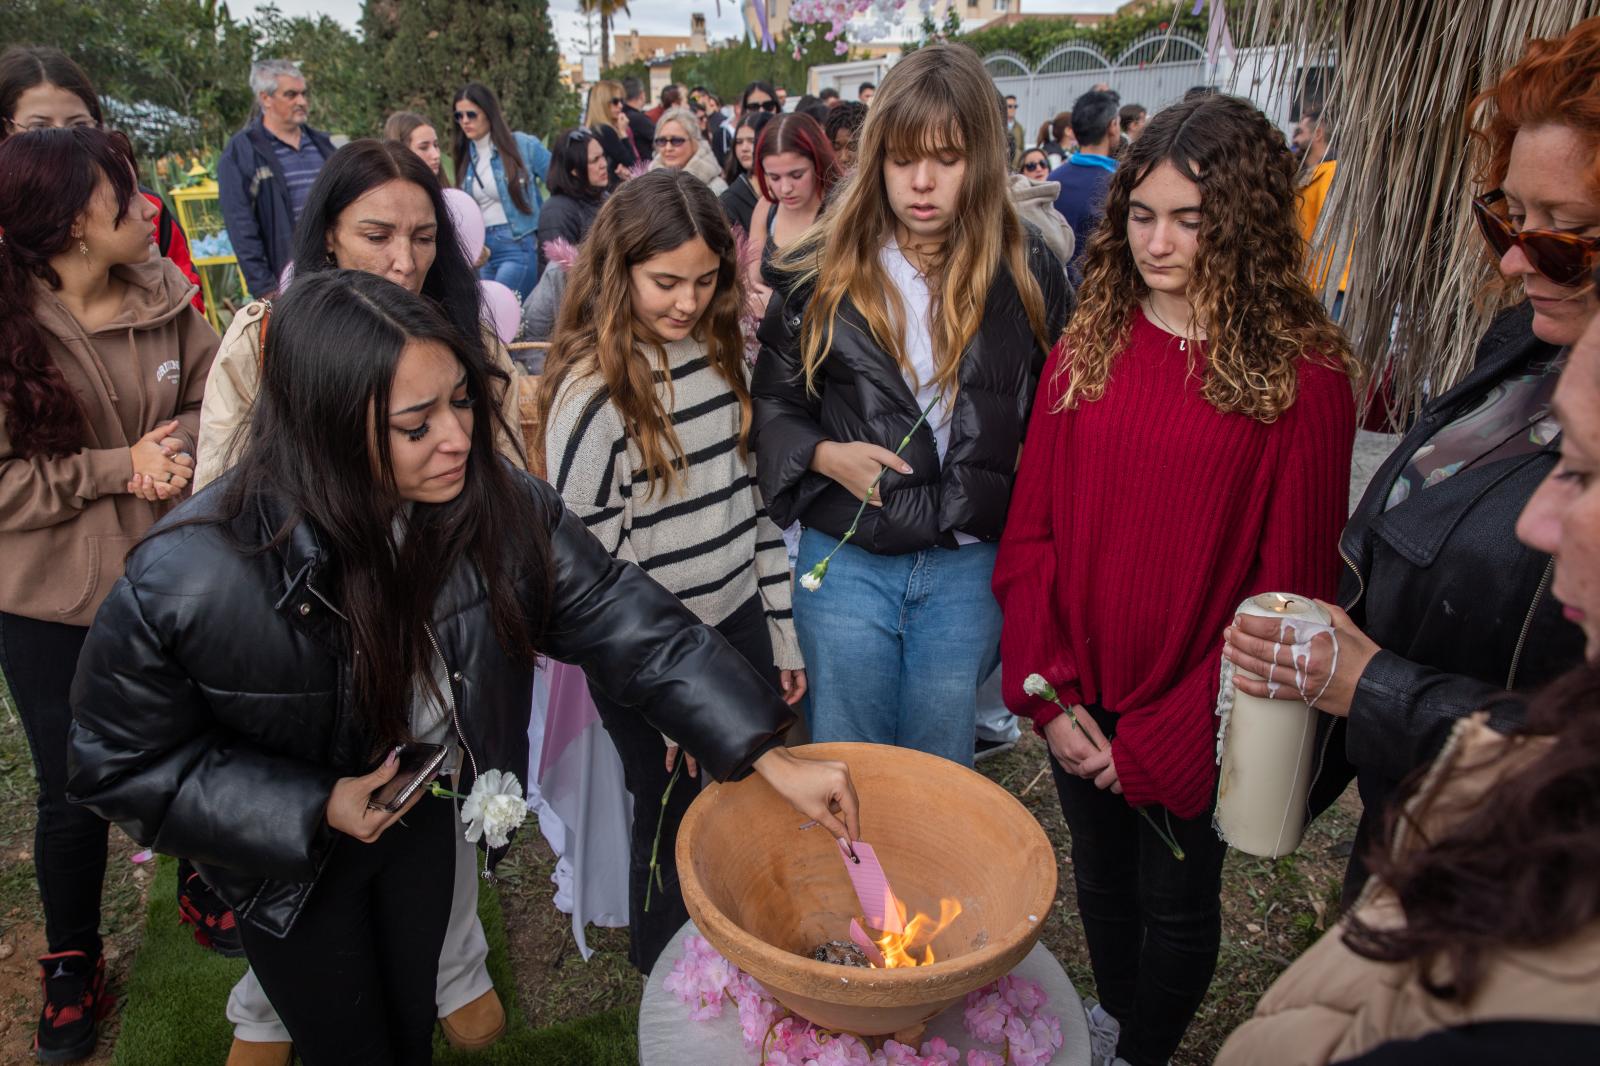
point(1248, 284)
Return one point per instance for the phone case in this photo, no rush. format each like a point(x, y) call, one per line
point(418, 764)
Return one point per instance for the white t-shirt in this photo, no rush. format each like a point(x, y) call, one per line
point(917, 300)
point(484, 188)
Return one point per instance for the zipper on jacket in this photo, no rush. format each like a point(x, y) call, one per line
point(1361, 582)
point(449, 695)
point(1527, 624)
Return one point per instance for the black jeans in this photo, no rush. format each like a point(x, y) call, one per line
point(644, 769)
point(69, 842)
point(354, 979)
point(1153, 924)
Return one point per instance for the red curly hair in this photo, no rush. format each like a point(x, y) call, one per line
point(1556, 81)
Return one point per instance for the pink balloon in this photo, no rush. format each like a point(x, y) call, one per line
point(501, 309)
point(469, 222)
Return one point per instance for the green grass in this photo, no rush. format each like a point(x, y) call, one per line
point(173, 1005)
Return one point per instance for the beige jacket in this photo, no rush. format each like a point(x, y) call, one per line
point(1333, 1004)
point(1035, 202)
point(236, 378)
point(66, 523)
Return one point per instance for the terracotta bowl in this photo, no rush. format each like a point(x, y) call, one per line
point(764, 892)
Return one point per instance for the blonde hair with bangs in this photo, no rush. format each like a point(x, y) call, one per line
point(937, 100)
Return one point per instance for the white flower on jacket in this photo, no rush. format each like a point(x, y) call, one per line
point(494, 808)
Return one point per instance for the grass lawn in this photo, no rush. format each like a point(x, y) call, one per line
point(563, 1010)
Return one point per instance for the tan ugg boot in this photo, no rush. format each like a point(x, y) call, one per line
point(255, 1053)
point(477, 1025)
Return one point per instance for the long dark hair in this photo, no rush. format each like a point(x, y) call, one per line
point(569, 166)
point(1521, 870)
point(351, 173)
point(517, 177)
point(754, 121)
point(47, 178)
point(318, 447)
point(596, 332)
point(24, 66)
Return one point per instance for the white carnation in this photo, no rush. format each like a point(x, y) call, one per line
point(494, 808)
point(1036, 685)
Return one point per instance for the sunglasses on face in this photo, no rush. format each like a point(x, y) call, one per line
point(761, 105)
point(1564, 258)
point(466, 115)
point(676, 142)
point(1037, 164)
point(616, 101)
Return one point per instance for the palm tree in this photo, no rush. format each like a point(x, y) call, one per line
point(607, 10)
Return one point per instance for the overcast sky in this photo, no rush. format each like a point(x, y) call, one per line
point(649, 16)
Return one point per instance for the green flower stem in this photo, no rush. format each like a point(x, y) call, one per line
point(821, 568)
point(654, 878)
point(1166, 837)
point(436, 789)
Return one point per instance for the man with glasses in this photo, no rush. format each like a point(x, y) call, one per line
point(266, 172)
point(1018, 135)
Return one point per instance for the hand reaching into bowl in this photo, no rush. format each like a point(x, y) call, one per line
point(820, 789)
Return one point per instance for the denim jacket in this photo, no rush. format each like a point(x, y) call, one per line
point(536, 157)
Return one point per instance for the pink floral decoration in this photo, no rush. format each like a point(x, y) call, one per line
point(1009, 1012)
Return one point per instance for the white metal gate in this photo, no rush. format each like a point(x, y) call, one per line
point(1154, 71)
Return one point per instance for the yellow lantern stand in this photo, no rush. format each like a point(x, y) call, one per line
point(200, 214)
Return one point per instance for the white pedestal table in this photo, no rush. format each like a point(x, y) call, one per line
point(667, 1037)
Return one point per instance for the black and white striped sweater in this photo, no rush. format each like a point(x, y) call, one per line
point(708, 540)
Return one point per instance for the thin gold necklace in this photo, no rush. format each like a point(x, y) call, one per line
point(1183, 340)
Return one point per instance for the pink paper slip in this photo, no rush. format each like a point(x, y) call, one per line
point(878, 903)
point(859, 937)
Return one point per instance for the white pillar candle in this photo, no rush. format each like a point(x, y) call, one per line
point(1265, 746)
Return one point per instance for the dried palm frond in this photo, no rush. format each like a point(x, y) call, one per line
point(1419, 294)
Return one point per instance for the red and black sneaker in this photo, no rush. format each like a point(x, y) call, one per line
point(214, 925)
point(74, 1002)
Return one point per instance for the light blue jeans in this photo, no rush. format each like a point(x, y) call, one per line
point(896, 645)
point(513, 263)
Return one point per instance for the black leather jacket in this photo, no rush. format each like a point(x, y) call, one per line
point(213, 705)
point(1460, 607)
point(861, 395)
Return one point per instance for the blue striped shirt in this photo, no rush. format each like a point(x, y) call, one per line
point(300, 168)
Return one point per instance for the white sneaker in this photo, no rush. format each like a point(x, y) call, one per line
point(1104, 1031)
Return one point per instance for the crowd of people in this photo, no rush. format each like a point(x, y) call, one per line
point(848, 417)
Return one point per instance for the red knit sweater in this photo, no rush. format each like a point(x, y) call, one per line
point(1137, 526)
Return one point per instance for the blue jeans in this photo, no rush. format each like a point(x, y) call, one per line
point(513, 263)
point(896, 645)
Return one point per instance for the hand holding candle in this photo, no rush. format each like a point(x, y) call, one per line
point(1266, 647)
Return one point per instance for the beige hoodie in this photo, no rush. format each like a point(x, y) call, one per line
point(236, 379)
point(66, 523)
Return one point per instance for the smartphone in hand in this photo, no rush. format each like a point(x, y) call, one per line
point(419, 764)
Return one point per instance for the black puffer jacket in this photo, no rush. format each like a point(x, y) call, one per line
point(213, 699)
point(1460, 607)
point(862, 396)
